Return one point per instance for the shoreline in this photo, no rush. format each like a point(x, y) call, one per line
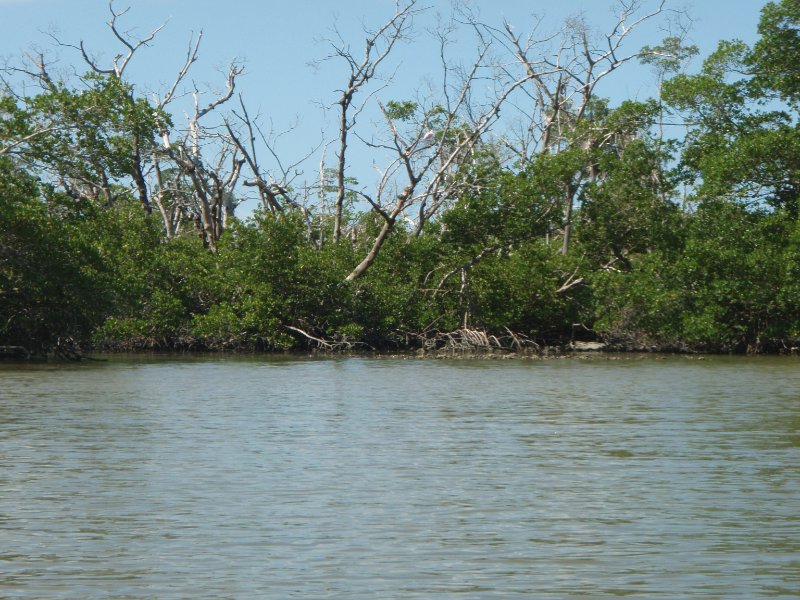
point(573, 350)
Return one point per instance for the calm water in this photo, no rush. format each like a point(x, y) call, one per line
point(381, 478)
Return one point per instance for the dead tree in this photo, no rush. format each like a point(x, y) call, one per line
point(203, 157)
point(275, 186)
point(117, 71)
point(376, 49)
point(562, 71)
point(192, 178)
point(426, 150)
point(213, 183)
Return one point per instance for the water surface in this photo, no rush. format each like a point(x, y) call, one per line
point(385, 478)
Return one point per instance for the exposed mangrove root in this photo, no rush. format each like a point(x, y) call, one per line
point(466, 339)
point(67, 349)
point(62, 349)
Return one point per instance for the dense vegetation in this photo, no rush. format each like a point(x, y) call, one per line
point(115, 236)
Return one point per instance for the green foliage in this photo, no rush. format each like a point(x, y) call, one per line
point(509, 207)
point(94, 135)
point(735, 148)
point(714, 100)
point(731, 289)
point(51, 279)
point(389, 300)
point(15, 123)
point(641, 308)
point(718, 269)
point(400, 110)
point(731, 270)
point(669, 56)
point(629, 210)
point(157, 284)
point(520, 291)
point(776, 56)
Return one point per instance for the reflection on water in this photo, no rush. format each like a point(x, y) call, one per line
point(378, 478)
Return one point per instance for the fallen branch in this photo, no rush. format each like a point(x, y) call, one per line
point(331, 345)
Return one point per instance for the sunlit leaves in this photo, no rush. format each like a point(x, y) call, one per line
point(776, 56)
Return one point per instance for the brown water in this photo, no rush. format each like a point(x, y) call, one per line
point(379, 478)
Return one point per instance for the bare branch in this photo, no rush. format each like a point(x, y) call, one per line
point(191, 57)
point(361, 72)
point(7, 149)
point(121, 61)
point(234, 71)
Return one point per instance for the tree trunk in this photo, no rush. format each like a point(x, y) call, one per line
point(138, 176)
point(567, 224)
point(340, 173)
point(373, 252)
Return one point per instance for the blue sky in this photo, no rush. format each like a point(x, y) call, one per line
point(276, 41)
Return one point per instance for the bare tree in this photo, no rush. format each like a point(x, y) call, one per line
point(556, 75)
point(377, 47)
point(117, 71)
point(428, 148)
point(209, 160)
point(563, 70)
point(213, 180)
point(192, 177)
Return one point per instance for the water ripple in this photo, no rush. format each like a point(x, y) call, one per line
point(358, 478)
